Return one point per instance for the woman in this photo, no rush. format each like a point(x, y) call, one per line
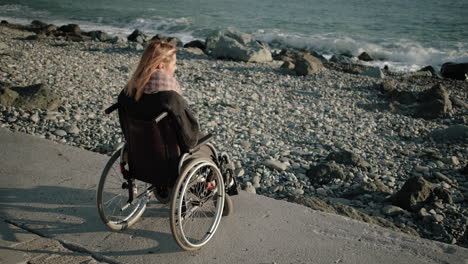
point(154, 150)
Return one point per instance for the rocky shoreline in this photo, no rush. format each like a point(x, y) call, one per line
point(382, 147)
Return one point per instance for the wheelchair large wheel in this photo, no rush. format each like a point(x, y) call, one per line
point(113, 196)
point(196, 211)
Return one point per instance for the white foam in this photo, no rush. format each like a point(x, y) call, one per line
point(399, 55)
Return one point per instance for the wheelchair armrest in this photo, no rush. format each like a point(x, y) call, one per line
point(202, 141)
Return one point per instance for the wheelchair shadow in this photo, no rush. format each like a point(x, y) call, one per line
point(70, 214)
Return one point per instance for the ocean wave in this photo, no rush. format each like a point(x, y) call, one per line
point(402, 54)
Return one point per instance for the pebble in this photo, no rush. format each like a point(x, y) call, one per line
point(275, 164)
point(321, 191)
point(250, 188)
point(455, 161)
point(34, 118)
point(442, 177)
point(72, 129)
point(60, 133)
point(392, 210)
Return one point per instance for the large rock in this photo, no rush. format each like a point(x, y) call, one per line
point(347, 158)
point(36, 96)
point(325, 173)
point(365, 57)
point(176, 42)
point(195, 44)
point(99, 35)
point(343, 59)
point(414, 193)
point(238, 46)
point(307, 64)
point(458, 71)
point(374, 72)
point(456, 132)
point(70, 28)
point(137, 36)
point(434, 103)
point(7, 96)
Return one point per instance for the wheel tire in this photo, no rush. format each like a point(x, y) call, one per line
point(111, 175)
point(183, 199)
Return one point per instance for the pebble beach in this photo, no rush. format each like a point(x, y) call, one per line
point(277, 126)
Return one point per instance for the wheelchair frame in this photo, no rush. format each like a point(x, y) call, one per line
point(189, 195)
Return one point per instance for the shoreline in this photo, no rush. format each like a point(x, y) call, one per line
point(276, 45)
point(260, 112)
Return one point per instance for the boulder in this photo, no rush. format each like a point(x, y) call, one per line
point(70, 28)
point(287, 65)
point(307, 64)
point(118, 40)
point(414, 193)
point(238, 46)
point(137, 36)
point(434, 103)
point(456, 132)
point(457, 71)
point(430, 69)
point(343, 59)
point(99, 35)
point(325, 173)
point(171, 40)
point(347, 158)
point(195, 44)
point(365, 57)
point(7, 96)
point(374, 72)
point(36, 96)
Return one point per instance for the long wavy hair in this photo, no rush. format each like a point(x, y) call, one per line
point(155, 54)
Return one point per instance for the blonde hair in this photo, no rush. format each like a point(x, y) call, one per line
point(155, 54)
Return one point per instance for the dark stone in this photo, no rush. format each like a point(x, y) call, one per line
point(341, 59)
point(405, 97)
point(4, 22)
point(435, 103)
point(457, 71)
point(99, 35)
point(37, 23)
point(465, 171)
point(431, 70)
point(442, 194)
point(195, 44)
point(452, 133)
point(70, 28)
point(171, 40)
point(36, 96)
point(7, 96)
point(365, 57)
point(325, 173)
point(287, 65)
point(307, 65)
point(413, 194)
point(137, 36)
point(347, 158)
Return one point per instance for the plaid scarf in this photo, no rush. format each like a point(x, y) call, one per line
point(161, 81)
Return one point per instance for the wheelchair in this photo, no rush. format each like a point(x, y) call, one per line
point(196, 209)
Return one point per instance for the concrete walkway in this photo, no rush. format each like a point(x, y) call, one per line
point(48, 215)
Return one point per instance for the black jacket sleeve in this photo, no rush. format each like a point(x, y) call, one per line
point(187, 126)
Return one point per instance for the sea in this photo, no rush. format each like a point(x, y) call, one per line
point(404, 35)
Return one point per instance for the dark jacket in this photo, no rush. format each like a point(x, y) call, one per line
point(155, 149)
